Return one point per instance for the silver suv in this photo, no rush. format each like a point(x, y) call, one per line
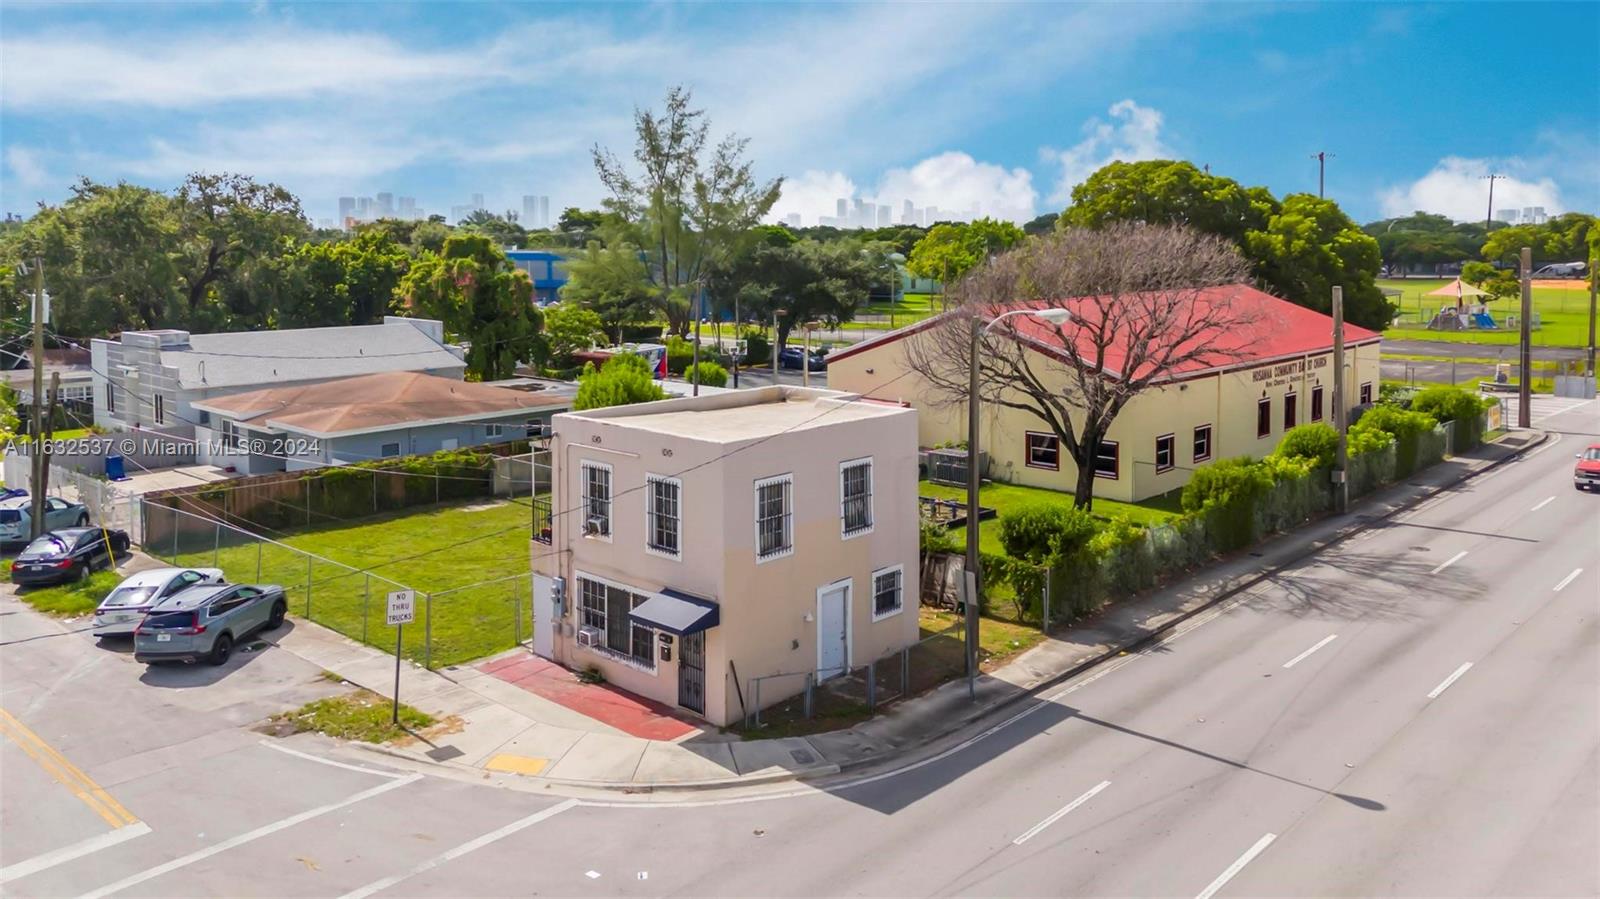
point(204, 622)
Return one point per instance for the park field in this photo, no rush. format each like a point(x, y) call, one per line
point(1563, 313)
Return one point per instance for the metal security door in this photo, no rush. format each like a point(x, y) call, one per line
point(833, 630)
point(692, 672)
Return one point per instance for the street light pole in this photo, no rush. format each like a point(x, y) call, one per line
point(1525, 348)
point(40, 459)
point(1322, 158)
point(1488, 216)
point(971, 576)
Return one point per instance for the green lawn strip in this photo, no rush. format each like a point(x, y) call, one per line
point(60, 434)
point(72, 599)
point(1564, 316)
point(359, 715)
point(466, 624)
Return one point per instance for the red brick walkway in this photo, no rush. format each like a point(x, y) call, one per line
point(633, 715)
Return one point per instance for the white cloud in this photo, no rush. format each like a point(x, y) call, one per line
point(1456, 187)
point(1133, 134)
point(962, 187)
point(25, 166)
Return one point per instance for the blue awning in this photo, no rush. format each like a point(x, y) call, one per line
point(676, 613)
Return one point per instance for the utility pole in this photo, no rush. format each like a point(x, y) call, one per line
point(40, 459)
point(1322, 158)
point(738, 357)
point(1341, 459)
point(1525, 382)
point(1594, 286)
point(699, 310)
point(1488, 217)
point(969, 574)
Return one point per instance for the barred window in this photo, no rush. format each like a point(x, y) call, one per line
point(855, 496)
point(592, 603)
point(888, 591)
point(605, 607)
point(597, 498)
point(774, 517)
point(663, 515)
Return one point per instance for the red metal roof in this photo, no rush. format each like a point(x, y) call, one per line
point(1272, 329)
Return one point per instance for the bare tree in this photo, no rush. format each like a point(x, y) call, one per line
point(1143, 309)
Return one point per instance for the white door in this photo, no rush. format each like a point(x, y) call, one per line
point(833, 630)
point(544, 618)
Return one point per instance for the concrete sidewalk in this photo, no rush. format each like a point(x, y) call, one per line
point(498, 726)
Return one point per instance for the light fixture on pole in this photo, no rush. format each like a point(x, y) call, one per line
point(970, 577)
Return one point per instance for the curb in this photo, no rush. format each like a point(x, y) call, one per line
point(1339, 536)
point(1222, 596)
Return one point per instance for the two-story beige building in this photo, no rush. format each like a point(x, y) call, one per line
point(1277, 373)
point(702, 542)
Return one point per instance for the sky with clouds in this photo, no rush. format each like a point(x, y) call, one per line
point(994, 106)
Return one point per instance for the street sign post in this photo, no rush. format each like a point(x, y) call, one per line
point(401, 611)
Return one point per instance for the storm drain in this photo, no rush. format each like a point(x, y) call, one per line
point(445, 753)
point(802, 757)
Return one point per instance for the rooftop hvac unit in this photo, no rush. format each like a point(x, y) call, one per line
point(594, 527)
point(588, 636)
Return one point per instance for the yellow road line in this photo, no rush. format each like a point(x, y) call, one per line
point(68, 774)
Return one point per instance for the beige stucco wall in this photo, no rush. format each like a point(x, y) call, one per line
point(1225, 401)
point(762, 606)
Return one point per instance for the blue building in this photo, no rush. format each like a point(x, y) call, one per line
point(547, 270)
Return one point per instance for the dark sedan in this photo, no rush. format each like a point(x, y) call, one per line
point(69, 554)
point(792, 357)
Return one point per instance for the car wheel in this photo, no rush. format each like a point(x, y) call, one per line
point(81, 573)
point(221, 650)
point(275, 620)
point(83, 520)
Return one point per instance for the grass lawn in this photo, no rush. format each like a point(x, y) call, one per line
point(912, 307)
point(466, 624)
point(1564, 315)
point(360, 715)
point(71, 599)
point(1001, 496)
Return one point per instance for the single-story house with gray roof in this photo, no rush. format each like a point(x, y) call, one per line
point(153, 379)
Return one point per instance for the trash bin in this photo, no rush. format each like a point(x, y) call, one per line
point(114, 469)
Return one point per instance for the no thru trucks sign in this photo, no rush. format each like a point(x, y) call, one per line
point(402, 607)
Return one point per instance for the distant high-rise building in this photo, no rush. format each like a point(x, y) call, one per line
point(459, 214)
point(792, 220)
point(384, 207)
point(883, 217)
point(1509, 216)
point(530, 211)
point(908, 213)
point(364, 209)
point(408, 208)
point(544, 211)
point(842, 210)
point(347, 211)
point(861, 216)
point(930, 215)
point(1533, 215)
point(477, 201)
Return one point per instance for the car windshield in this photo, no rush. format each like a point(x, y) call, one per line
point(168, 621)
point(10, 516)
point(1592, 454)
point(131, 596)
point(47, 545)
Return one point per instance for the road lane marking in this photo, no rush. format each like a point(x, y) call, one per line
point(1449, 680)
point(249, 836)
point(67, 774)
point(316, 758)
point(1060, 813)
point(1237, 866)
point(469, 846)
point(1450, 561)
point(1302, 656)
point(65, 854)
point(1542, 503)
point(1569, 579)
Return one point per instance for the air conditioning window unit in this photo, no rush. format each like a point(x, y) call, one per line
point(596, 527)
point(589, 636)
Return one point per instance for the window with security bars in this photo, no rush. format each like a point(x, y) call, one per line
point(663, 518)
point(774, 517)
point(888, 589)
point(855, 491)
point(606, 607)
point(597, 498)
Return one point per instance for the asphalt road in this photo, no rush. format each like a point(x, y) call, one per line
point(1411, 712)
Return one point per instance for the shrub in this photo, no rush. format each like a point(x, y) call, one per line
point(650, 332)
point(1223, 482)
point(1361, 441)
point(936, 538)
point(1317, 442)
point(1408, 428)
point(709, 374)
point(680, 355)
point(1042, 531)
point(758, 349)
point(1461, 408)
point(624, 379)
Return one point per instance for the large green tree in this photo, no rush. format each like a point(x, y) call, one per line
point(228, 225)
point(952, 249)
point(806, 281)
point(1561, 238)
point(571, 328)
point(624, 379)
point(483, 300)
point(1299, 247)
point(611, 280)
point(349, 282)
point(689, 205)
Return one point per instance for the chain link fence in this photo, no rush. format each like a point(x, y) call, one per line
point(453, 626)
